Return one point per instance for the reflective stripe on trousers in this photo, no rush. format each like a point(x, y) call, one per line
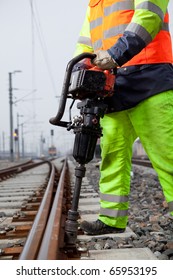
point(152, 122)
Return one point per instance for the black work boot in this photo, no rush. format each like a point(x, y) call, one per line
point(98, 227)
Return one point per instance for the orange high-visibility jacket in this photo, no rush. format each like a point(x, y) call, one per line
point(108, 21)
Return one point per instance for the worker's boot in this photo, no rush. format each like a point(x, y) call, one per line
point(98, 227)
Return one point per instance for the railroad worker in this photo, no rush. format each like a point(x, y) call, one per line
point(132, 36)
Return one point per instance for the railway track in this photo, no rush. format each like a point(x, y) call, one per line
point(34, 202)
point(27, 192)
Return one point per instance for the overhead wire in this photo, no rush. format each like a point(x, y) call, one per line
point(33, 45)
point(36, 21)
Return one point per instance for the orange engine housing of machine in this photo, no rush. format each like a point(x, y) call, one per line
point(90, 83)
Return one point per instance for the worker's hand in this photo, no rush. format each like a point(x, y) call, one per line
point(104, 61)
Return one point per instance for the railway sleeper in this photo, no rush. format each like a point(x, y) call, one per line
point(30, 206)
point(13, 252)
point(24, 216)
point(18, 231)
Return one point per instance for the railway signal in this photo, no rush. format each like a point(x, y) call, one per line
point(15, 134)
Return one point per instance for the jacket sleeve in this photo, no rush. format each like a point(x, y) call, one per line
point(84, 41)
point(144, 26)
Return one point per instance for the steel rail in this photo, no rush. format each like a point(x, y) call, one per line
point(15, 166)
point(49, 249)
point(10, 171)
point(142, 162)
point(33, 241)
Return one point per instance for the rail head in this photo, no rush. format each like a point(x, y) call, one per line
point(44, 237)
point(35, 236)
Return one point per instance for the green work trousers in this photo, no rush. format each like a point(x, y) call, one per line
point(151, 121)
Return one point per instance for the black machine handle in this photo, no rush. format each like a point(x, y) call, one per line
point(57, 119)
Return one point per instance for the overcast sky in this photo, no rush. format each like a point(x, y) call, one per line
point(39, 42)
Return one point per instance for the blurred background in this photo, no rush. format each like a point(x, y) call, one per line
point(38, 38)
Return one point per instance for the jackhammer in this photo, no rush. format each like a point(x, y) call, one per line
point(90, 86)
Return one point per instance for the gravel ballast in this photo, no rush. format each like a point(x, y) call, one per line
point(148, 214)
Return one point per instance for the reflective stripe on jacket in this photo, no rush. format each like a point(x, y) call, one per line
point(108, 20)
